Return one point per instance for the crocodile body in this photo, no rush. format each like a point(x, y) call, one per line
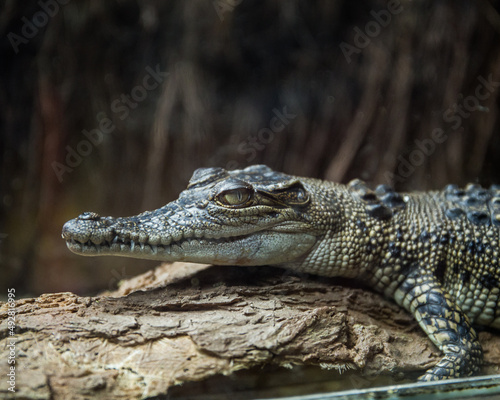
point(435, 253)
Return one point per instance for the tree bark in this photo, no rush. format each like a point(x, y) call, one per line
point(185, 323)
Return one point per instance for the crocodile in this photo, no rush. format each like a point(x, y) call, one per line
point(435, 253)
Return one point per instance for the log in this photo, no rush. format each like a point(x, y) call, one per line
point(187, 329)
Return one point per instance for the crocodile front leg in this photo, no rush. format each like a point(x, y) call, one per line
point(445, 324)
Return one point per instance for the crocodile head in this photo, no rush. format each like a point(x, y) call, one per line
point(253, 216)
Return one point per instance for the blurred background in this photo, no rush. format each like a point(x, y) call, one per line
point(110, 107)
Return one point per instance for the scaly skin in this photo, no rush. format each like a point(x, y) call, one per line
point(435, 253)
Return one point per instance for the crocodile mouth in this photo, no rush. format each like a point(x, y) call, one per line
point(129, 247)
point(272, 242)
point(256, 248)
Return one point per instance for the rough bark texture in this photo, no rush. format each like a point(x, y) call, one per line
point(183, 323)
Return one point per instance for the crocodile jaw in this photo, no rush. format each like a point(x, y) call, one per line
point(256, 249)
point(274, 245)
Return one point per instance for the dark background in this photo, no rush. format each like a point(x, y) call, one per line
point(383, 91)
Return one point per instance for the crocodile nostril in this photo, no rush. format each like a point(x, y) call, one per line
point(89, 216)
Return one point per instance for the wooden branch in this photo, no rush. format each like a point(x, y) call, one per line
point(184, 322)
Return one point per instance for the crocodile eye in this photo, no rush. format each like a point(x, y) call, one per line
point(294, 195)
point(299, 195)
point(235, 197)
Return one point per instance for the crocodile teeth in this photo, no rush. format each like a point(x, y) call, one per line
point(127, 245)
